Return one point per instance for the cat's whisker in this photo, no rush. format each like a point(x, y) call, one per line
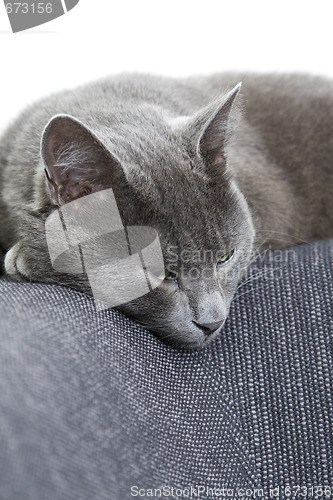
point(254, 258)
point(248, 280)
point(236, 297)
point(260, 275)
point(281, 233)
point(256, 252)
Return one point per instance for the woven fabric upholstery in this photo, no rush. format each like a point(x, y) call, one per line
point(91, 404)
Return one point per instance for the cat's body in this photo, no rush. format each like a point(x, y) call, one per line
point(182, 165)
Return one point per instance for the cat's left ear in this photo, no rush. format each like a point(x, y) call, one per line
point(210, 127)
point(75, 159)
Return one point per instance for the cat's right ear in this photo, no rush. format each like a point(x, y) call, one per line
point(209, 129)
point(76, 162)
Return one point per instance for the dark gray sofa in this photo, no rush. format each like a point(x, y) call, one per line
point(94, 407)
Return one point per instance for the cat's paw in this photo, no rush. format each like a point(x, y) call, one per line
point(16, 265)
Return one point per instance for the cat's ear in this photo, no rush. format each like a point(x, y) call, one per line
point(76, 162)
point(215, 132)
point(210, 127)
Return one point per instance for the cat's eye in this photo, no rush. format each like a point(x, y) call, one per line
point(226, 257)
point(167, 275)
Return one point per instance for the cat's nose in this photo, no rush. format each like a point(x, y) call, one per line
point(209, 328)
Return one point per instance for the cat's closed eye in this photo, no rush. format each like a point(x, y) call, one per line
point(168, 275)
point(226, 257)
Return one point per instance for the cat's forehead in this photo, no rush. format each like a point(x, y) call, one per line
point(173, 184)
point(158, 162)
point(187, 206)
point(169, 188)
point(156, 157)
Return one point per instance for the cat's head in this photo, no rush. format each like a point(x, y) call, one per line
point(171, 175)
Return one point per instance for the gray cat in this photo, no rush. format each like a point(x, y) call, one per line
point(217, 171)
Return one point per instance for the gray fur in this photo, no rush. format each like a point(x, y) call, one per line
point(181, 158)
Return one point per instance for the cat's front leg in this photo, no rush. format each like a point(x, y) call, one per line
point(16, 265)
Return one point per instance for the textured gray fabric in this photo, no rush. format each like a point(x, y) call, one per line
point(91, 404)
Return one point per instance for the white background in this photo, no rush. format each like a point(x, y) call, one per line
point(175, 37)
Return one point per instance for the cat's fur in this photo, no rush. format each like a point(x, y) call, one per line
point(181, 159)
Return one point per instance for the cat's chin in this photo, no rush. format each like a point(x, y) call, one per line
point(189, 342)
point(188, 345)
